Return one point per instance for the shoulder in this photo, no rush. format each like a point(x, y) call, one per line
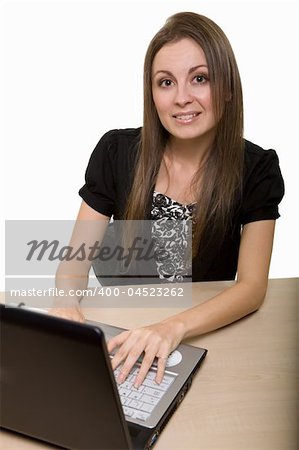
point(117, 148)
point(254, 153)
point(263, 186)
point(109, 171)
point(115, 152)
point(259, 162)
point(122, 138)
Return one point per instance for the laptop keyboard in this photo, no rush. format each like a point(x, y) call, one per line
point(139, 403)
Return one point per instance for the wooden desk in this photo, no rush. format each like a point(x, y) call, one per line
point(245, 396)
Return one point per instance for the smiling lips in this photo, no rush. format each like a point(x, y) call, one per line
point(186, 117)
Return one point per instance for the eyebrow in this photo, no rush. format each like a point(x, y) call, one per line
point(192, 69)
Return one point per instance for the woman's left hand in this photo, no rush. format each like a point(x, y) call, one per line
point(155, 341)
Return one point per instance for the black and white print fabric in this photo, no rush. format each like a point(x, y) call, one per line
point(172, 237)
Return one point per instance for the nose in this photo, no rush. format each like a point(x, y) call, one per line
point(183, 95)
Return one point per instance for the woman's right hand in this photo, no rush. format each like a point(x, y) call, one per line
point(72, 274)
point(70, 312)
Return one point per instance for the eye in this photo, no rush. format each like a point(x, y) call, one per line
point(200, 79)
point(165, 83)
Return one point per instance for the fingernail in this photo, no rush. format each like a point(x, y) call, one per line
point(120, 378)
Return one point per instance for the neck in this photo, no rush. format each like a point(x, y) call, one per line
point(194, 151)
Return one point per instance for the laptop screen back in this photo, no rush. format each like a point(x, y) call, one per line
point(56, 382)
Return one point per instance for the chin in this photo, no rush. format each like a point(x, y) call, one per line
point(186, 134)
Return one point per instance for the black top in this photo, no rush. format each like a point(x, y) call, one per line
point(109, 176)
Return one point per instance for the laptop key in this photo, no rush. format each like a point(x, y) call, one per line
point(140, 415)
point(138, 403)
point(135, 404)
point(167, 379)
point(150, 383)
point(153, 392)
point(127, 385)
point(150, 400)
point(147, 407)
point(124, 392)
point(139, 389)
point(125, 401)
point(128, 411)
point(151, 375)
point(135, 395)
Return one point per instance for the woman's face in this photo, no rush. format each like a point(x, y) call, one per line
point(181, 90)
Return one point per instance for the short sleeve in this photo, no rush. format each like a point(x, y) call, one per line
point(263, 187)
point(99, 188)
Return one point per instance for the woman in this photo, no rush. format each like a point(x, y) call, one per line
point(189, 157)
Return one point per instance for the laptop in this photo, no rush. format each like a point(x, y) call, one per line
point(58, 386)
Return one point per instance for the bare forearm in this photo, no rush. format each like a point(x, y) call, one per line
point(228, 306)
point(72, 279)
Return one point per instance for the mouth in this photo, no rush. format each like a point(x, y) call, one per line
point(186, 117)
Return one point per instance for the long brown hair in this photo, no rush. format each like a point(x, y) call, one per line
point(221, 179)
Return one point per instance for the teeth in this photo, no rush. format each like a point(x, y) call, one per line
point(187, 117)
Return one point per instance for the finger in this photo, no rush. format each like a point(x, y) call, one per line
point(119, 356)
point(129, 351)
point(144, 368)
point(161, 365)
point(116, 341)
point(128, 365)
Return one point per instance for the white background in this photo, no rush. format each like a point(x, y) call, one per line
point(71, 70)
